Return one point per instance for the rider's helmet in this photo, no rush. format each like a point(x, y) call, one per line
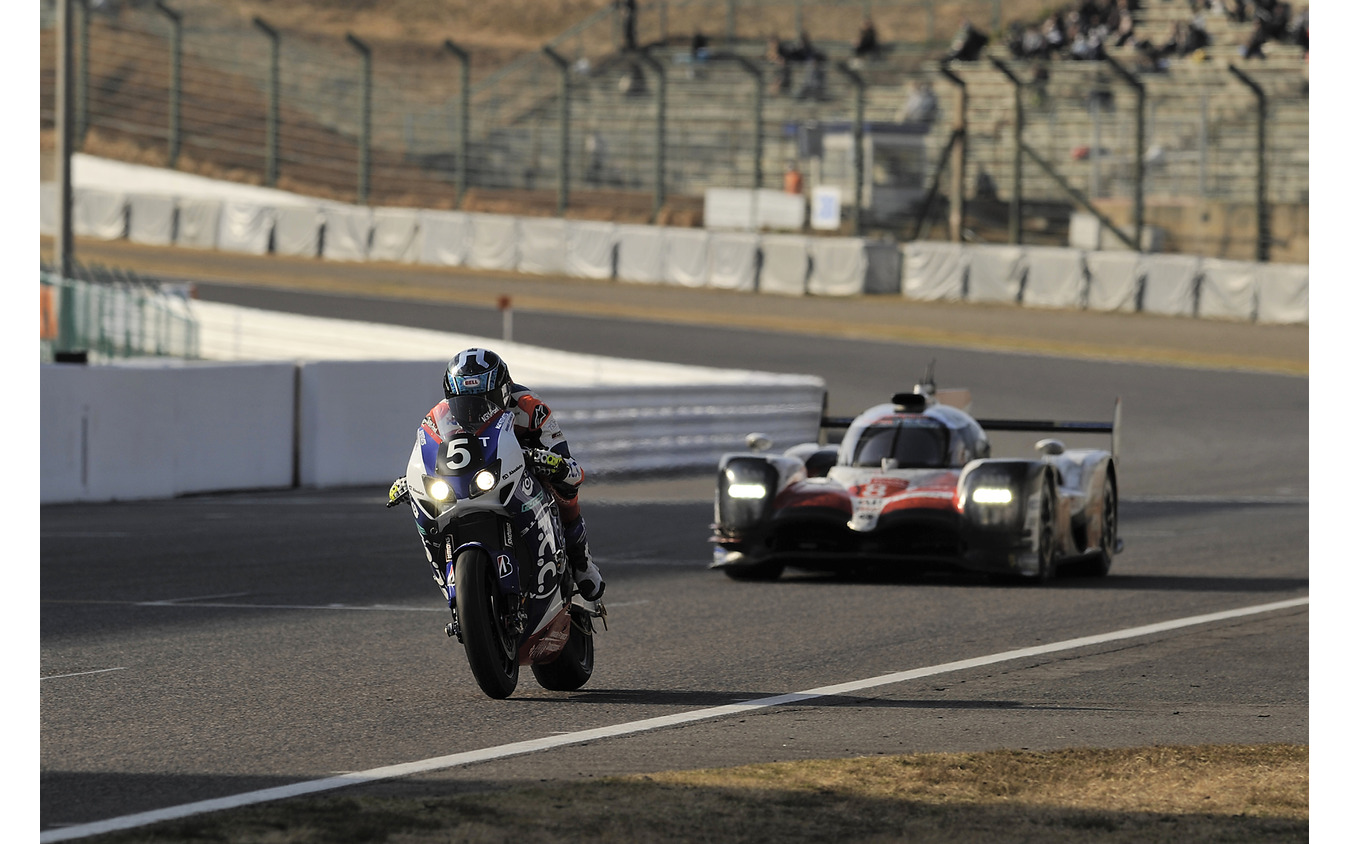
point(477, 385)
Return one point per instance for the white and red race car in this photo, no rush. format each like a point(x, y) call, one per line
point(912, 485)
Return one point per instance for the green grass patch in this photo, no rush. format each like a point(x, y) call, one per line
point(1154, 795)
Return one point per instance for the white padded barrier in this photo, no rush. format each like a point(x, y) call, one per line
point(493, 245)
point(99, 213)
point(1055, 278)
point(733, 260)
point(395, 235)
point(1282, 293)
point(688, 257)
point(729, 209)
point(590, 248)
point(1169, 284)
point(1113, 281)
point(931, 271)
point(786, 264)
point(155, 430)
point(198, 222)
point(641, 254)
point(446, 237)
point(1227, 290)
point(883, 267)
point(838, 266)
point(779, 210)
point(995, 273)
point(297, 230)
point(150, 218)
point(346, 232)
point(49, 208)
point(245, 227)
point(543, 245)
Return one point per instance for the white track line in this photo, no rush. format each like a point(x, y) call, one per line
point(82, 673)
point(551, 742)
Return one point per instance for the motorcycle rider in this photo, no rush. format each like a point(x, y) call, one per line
point(477, 385)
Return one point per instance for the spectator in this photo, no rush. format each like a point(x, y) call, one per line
point(967, 44)
point(865, 46)
point(813, 83)
point(596, 150)
point(922, 105)
point(792, 179)
point(698, 47)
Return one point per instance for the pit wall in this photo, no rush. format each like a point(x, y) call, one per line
point(159, 430)
point(775, 264)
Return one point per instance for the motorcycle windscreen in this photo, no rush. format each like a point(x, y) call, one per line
point(471, 411)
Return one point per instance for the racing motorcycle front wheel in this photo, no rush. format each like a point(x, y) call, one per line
point(490, 648)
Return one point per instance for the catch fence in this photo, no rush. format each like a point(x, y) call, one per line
point(98, 315)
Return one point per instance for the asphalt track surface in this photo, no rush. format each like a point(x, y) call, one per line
point(214, 645)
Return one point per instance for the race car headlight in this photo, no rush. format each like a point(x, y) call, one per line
point(745, 489)
point(754, 491)
point(992, 495)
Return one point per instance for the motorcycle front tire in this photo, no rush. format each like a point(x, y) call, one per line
point(491, 652)
point(574, 664)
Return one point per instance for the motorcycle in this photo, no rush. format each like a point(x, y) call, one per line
point(494, 537)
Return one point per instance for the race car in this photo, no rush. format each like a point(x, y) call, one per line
point(911, 485)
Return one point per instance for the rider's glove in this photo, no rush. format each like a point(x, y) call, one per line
point(551, 466)
point(398, 492)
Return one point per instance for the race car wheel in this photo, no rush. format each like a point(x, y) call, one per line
point(759, 572)
point(1045, 535)
point(1101, 563)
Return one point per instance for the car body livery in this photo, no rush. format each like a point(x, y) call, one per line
point(911, 485)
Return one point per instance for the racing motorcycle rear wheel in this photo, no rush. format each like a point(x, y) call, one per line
point(574, 664)
point(488, 645)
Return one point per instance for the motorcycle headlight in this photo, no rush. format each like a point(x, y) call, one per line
point(485, 480)
point(437, 488)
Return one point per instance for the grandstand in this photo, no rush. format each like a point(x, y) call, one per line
point(1200, 124)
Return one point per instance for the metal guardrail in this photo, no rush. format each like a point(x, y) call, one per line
point(100, 315)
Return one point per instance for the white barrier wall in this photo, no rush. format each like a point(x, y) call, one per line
point(494, 244)
point(733, 261)
point(1055, 278)
point(543, 245)
point(446, 236)
point(786, 264)
point(125, 432)
point(245, 227)
point(931, 271)
point(98, 213)
point(395, 235)
point(641, 254)
point(1169, 284)
point(838, 266)
point(297, 231)
point(198, 223)
point(688, 257)
point(995, 274)
point(1113, 281)
point(1227, 290)
point(1282, 293)
point(590, 248)
point(346, 232)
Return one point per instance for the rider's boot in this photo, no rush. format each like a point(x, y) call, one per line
point(584, 571)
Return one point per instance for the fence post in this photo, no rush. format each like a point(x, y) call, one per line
point(564, 131)
point(65, 242)
point(659, 191)
point(731, 21)
point(859, 102)
point(82, 92)
point(175, 79)
point(363, 154)
point(462, 157)
point(956, 213)
point(1262, 209)
point(273, 100)
point(1015, 209)
point(750, 68)
point(1139, 109)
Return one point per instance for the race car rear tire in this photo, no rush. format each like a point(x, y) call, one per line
point(756, 572)
point(1100, 563)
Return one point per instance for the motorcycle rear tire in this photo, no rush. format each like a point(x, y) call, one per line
point(492, 654)
point(574, 664)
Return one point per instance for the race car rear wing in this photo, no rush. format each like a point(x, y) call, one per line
point(1049, 426)
point(1046, 425)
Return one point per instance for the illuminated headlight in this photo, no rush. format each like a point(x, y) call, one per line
point(438, 489)
point(992, 495)
point(485, 480)
point(747, 490)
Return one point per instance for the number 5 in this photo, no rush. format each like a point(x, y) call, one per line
point(457, 454)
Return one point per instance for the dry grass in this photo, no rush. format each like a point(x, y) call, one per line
point(1147, 795)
